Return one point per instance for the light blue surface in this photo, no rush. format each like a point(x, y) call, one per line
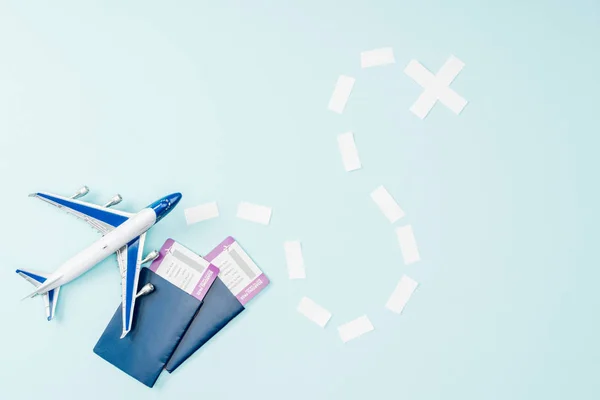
point(228, 102)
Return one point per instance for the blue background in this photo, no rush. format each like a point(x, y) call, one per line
point(227, 101)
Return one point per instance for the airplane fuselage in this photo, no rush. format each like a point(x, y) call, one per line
point(101, 249)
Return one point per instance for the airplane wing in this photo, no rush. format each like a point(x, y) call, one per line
point(100, 218)
point(130, 261)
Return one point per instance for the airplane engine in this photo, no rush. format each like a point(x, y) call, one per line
point(148, 288)
point(150, 257)
point(114, 201)
point(81, 192)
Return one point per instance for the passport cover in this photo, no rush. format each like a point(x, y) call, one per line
point(219, 307)
point(161, 318)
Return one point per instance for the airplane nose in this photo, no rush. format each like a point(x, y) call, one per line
point(174, 199)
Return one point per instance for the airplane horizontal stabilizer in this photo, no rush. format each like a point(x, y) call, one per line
point(50, 296)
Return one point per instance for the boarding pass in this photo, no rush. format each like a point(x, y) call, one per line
point(195, 275)
point(238, 271)
point(185, 269)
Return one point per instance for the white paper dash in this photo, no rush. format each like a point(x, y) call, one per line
point(201, 212)
point(377, 57)
point(408, 244)
point(349, 151)
point(341, 93)
point(254, 213)
point(314, 312)
point(355, 328)
point(401, 294)
point(294, 259)
point(387, 204)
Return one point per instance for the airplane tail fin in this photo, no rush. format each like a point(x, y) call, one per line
point(50, 297)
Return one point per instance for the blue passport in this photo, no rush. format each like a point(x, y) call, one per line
point(161, 319)
point(239, 280)
point(219, 307)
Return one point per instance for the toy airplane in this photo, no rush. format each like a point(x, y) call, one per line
point(123, 233)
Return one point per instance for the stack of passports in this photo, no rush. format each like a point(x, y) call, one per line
point(169, 326)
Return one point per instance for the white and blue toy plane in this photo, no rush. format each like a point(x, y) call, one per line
point(122, 232)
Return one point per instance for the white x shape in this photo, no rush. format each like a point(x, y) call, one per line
point(436, 86)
